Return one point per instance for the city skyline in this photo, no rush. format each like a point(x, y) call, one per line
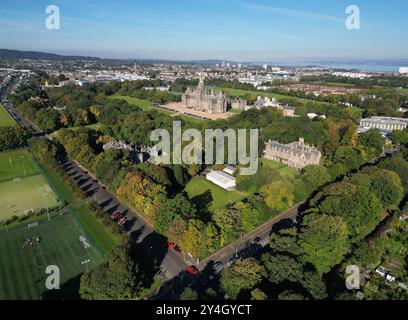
point(230, 30)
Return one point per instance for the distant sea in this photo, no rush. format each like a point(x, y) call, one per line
point(369, 66)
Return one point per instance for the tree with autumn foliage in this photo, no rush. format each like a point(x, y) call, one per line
point(142, 194)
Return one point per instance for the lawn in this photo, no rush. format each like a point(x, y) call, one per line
point(145, 105)
point(22, 186)
point(283, 169)
point(255, 94)
point(22, 272)
point(141, 103)
point(198, 187)
point(5, 118)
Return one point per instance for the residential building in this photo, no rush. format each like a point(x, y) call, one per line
point(296, 154)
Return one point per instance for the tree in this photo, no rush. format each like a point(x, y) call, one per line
point(141, 193)
point(386, 185)
point(372, 140)
point(192, 240)
point(400, 137)
point(43, 150)
point(12, 137)
point(180, 206)
point(244, 274)
point(189, 294)
point(278, 195)
point(350, 157)
point(315, 176)
point(280, 268)
point(290, 295)
point(229, 220)
point(176, 230)
point(324, 240)
point(358, 206)
point(399, 165)
point(258, 294)
point(117, 279)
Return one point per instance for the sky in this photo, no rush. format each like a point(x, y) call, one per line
point(239, 30)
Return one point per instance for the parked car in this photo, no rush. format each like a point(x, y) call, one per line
point(122, 220)
point(115, 215)
point(218, 266)
point(192, 270)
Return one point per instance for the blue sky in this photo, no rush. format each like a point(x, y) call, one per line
point(242, 30)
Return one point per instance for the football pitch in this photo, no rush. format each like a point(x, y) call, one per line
point(22, 185)
point(59, 242)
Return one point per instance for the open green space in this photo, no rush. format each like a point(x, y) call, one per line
point(146, 106)
point(22, 187)
point(141, 103)
point(22, 272)
point(283, 169)
point(198, 186)
point(5, 118)
point(255, 94)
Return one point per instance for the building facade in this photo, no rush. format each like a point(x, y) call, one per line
point(202, 99)
point(296, 154)
point(386, 125)
point(288, 111)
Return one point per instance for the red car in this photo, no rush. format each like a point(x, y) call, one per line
point(170, 245)
point(192, 270)
point(115, 215)
point(122, 220)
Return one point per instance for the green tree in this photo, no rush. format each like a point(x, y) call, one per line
point(278, 195)
point(372, 140)
point(244, 274)
point(315, 176)
point(258, 294)
point(324, 240)
point(189, 294)
point(117, 279)
point(180, 206)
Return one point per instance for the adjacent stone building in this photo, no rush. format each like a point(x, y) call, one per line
point(296, 154)
point(202, 99)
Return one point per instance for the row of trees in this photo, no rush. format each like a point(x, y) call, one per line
point(13, 137)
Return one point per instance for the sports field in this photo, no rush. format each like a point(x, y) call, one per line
point(61, 243)
point(5, 118)
point(22, 186)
